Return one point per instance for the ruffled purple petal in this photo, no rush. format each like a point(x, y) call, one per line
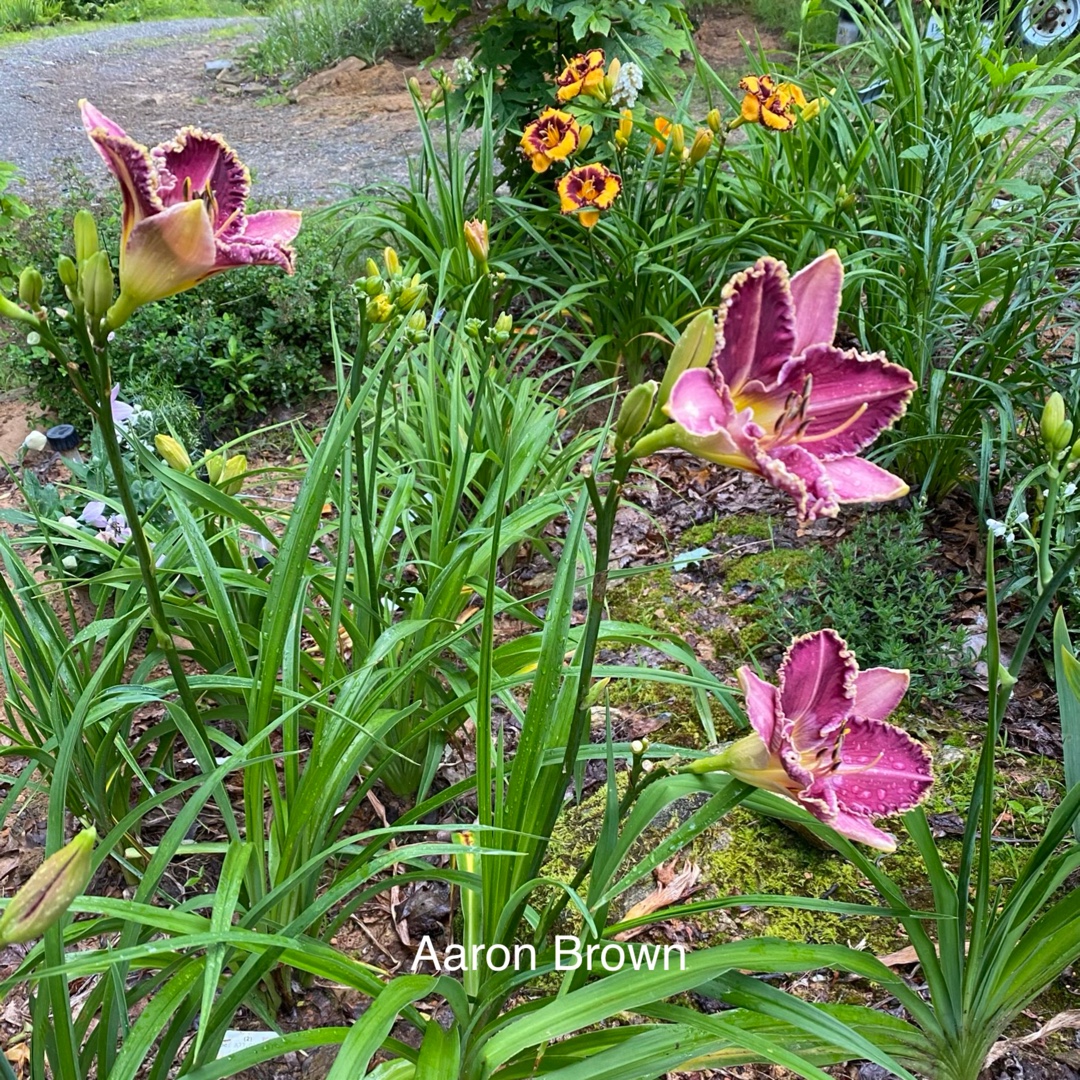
point(861, 829)
point(762, 707)
point(799, 474)
point(854, 479)
point(271, 227)
point(853, 399)
point(755, 330)
point(815, 292)
point(194, 163)
point(882, 769)
point(879, 691)
point(240, 252)
point(817, 691)
point(129, 162)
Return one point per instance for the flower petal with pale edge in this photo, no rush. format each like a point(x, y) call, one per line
point(882, 769)
point(862, 830)
point(130, 163)
point(271, 227)
point(815, 291)
point(797, 472)
point(762, 707)
point(853, 399)
point(817, 689)
point(855, 479)
point(168, 253)
point(195, 162)
point(879, 691)
point(243, 251)
point(756, 326)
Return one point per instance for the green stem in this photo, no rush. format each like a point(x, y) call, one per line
point(1046, 527)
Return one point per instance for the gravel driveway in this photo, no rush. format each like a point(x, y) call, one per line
point(151, 78)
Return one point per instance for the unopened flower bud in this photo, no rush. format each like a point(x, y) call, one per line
point(97, 285)
point(215, 466)
point(585, 133)
point(637, 747)
point(232, 474)
point(624, 130)
point(503, 325)
point(52, 888)
point(703, 141)
point(10, 310)
point(391, 261)
point(713, 120)
point(1052, 425)
point(372, 268)
point(612, 76)
point(416, 327)
point(31, 285)
point(68, 274)
point(413, 293)
point(414, 86)
point(437, 95)
point(476, 239)
point(373, 285)
point(86, 237)
point(173, 452)
point(635, 411)
point(678, 138)
point(473, 327)
point(379, 308)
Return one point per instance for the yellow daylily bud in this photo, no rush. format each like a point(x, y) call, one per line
point(1052, 425)
point(476, 239)
point(49, 892)
point(372, 268)
point(215, 466)
point(97, 285)
point(437, 95)
point(713, 120)
point(413, 293)
point(31, 284)
point(414, 86)
point(584, 135)
point(625, 129)
point(703, 141)
point(678, 138)
point(373, 285)
point(69, 275)
point(232, 474)
point(86, 237)
point(173, 452)
point(391, 261)
point(416, 328)
point(503, 325)
point(634, 413)
point(379, 308)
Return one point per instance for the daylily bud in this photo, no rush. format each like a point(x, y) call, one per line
point(49, 892)
point(31, 285)
point(612, 76)
point(232, 474)
point(373, 285)
point(624, 130)
point(391, 261)
point(11, 310)
point(215, 466)
point(476, 239)
point(173, 452)
point(379, 309)
point(414, 86)
point(473, 327)
point(703, 141)
point(86, 237)
point(713, 120)
point(437, 95)
point(503, 325)
point(637, 747)
point(693, 349)
point(416, 327)
point(413, 293)
point(372, 268)
point(584, 135)
point(1054, 433)
point(678, 138)
point(634, 414)
point(97, 285)
point(68, 274)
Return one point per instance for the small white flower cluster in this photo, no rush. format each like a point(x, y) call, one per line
point(628, 84)
point(464, 72)
point(1006, 529)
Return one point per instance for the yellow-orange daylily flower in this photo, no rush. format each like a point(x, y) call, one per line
point(554, 136)
point(770, 104)
point(587, 190)
point(584, 74)
point(184, 213)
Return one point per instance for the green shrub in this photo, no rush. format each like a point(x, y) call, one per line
point(244, 344)
point(878, 589)
point(305, 37)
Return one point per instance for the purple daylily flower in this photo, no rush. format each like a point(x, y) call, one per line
point(779, 399)
point(183, 216)
point(820, 739)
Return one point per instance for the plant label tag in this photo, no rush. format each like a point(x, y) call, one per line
point(240, 1040)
